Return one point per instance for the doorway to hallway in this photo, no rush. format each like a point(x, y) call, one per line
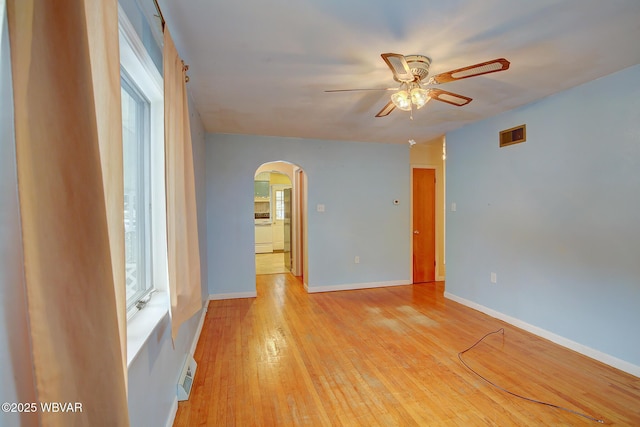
point(279, 216)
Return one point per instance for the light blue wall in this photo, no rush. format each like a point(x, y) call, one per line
point(357, 183)
point(154, 374)
point(557, 217)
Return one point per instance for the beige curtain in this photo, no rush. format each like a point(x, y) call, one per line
point(77, 352)
point(102, 31)
point(182, 231)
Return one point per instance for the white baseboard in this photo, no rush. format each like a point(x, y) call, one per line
point(196, 338)
point(172, 413)
point(353, 286)
point(233, 295)
point(565, 342)
point(174, 405)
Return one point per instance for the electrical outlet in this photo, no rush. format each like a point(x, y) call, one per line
point(494, 278)
point(356, 260)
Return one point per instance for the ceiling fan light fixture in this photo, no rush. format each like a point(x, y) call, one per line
point(412, 71)
point(419, 97)
point(402, 100)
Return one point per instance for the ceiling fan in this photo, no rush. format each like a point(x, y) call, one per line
point(411, 72)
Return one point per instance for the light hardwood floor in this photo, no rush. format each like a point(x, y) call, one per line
point(270, 263)
point(386, 357)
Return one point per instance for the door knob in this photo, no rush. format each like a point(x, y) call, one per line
point(416, 232)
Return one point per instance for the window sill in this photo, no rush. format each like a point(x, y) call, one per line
point(142, 324)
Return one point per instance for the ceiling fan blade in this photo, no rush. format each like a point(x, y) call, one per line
point(492, 66)
point(399, 67)
point(357, 90)
point(449, 97)
point(386, 109)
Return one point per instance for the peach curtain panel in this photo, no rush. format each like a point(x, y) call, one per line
point(69, 274)
point(102, 30)
point(182, 221)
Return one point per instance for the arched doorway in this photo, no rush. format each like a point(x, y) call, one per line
point(280, 218)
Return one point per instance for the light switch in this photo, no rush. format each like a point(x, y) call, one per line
point(453, 207)
point(320, 208)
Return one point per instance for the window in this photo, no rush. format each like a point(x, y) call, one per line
point(279, 204)
point(137, 220)
point(144, 194)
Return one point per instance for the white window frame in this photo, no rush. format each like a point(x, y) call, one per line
point(278, 205)
point(141, 70)
point(142, 217)
point(274, 202)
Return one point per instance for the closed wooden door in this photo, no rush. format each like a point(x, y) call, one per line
point(424, 225)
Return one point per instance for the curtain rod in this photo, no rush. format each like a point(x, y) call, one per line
point(162, 21)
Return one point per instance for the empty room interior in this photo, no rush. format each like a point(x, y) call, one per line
point(319, 213)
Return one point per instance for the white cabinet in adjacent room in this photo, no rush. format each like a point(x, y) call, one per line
point(264, 238)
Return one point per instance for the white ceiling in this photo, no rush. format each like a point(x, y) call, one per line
point(261, 67)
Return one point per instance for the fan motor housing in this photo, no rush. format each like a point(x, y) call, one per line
point(419, 66)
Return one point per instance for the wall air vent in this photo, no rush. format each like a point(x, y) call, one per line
point(514, 135)
point(185, 382)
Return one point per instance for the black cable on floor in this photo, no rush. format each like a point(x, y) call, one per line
point(516, 394)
